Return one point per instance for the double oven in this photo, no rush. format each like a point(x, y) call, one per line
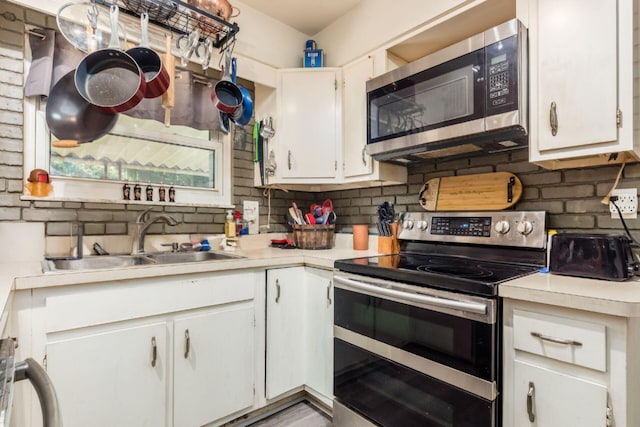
point(417, 336)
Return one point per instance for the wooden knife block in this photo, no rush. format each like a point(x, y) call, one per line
point(389, 244)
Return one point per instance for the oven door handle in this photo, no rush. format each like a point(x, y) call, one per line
point(469, 306)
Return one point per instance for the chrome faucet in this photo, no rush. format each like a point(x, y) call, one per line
point(143, 223)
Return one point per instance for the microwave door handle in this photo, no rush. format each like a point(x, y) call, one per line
point(472, 307)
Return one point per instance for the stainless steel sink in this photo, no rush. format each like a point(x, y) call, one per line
point(180, 257)
point(96, 262)
point(119, 261)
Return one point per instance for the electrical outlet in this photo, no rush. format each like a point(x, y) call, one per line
point(627, 202)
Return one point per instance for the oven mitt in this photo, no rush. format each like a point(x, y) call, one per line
point(38, 81)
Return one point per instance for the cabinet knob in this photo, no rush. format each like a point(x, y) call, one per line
point(530, 397)
point(553, 119)
point(187, 343)
point(154, 352)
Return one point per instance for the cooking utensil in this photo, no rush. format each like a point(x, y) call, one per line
point(309, 218)
point(477, 192)
point(110, 78)
point(156, 76)
point(266, 130)
point(243, 115)
point(219, 8)
point(85, 27)
point(186, 44)
point(207, 51)
point(294, 215)
point(226, 96)
point(70, 117)
point(169, 96)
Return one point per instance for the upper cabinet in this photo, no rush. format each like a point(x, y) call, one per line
point(581, 82)
point(321, 129)
point(307, 142)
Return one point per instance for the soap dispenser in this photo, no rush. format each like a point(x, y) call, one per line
point(230, 226)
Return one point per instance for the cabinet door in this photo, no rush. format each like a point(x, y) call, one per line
point(356, 161)
point(319, 334)
point(113, 378)
point(214, 364)
point(307, 132)
point(286, 353)
point(574, 60)
point(556, 399)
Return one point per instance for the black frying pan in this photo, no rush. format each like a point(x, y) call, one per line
point(70, 116)
point(110, 78)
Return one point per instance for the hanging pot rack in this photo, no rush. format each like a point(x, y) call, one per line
point(181, 19)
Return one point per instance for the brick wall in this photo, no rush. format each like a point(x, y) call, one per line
point(572, 197)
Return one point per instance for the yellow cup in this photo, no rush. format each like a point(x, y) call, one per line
point(39, 189)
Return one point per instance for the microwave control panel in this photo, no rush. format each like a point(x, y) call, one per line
point(502, 69)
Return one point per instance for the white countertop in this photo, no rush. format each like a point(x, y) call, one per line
point(614, 298)
point(600, 296)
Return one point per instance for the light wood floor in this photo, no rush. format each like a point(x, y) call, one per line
point(301, 414)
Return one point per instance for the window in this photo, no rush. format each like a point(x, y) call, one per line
point(196, 162)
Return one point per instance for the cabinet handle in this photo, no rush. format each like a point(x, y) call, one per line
point(556, 340)
point(364, 155)
point(289, 159)
point(329, 292)
point(277, 291)
point(530, 397)
point(553, 119)
point(154, 352)
point(187, 343)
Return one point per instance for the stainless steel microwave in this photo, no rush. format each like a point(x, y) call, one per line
point(470, 97)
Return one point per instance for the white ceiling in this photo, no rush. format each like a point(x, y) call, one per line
point(306, 16)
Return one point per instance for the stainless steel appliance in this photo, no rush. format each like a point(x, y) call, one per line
point(469, 97)
point(12, 371)
point(417, 334)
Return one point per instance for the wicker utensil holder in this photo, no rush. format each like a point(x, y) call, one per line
point(310, 236)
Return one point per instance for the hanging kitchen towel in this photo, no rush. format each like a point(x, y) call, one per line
point(38, 81)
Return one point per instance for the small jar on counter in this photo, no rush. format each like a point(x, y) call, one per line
point(137, 192)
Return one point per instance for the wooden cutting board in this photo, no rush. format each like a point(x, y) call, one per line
point(478, 192)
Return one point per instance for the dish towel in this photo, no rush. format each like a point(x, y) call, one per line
point(38, 81)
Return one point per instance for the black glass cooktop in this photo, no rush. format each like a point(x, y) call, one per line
point(452, 273)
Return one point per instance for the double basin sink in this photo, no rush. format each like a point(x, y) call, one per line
point(118, 261)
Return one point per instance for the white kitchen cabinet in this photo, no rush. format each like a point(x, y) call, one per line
point(567, 367)
point(357, 164)
point(112, 378)
point(307, 140)
point(213, 364)
point(116, 351)
point(547, 398)
point(300, 332)
point(319, 333)
point(286, 352)
point(581, 82)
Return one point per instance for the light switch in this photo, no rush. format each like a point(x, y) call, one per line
point(251, 214)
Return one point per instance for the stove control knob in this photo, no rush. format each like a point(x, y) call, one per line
point(525, 228)
point(423, 225)
point(502, 227)
point(407, 224)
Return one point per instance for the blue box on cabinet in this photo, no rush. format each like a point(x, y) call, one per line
point(313, 58)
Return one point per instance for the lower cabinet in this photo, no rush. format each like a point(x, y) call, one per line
point(213, 364)
point(567, 367)
point(544, 397)
point(113, 378)
point(299, 338)
point(177, 351)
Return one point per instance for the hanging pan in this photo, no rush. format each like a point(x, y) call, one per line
point(155, 75)
point(70, 117)
point(225, 95)
point(110, 78)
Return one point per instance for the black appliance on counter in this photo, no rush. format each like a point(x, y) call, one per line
point(417, 335)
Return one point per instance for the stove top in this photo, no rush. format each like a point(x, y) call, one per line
point(468, 252)
point(444, 272)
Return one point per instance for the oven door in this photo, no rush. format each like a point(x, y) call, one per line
point(414, 357)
